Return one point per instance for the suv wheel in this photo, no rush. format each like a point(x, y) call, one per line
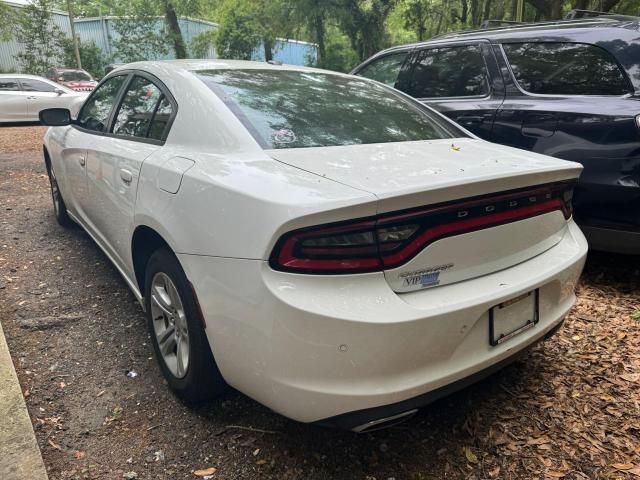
point(177, 333)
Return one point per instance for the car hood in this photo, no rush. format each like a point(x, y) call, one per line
point(425, 172)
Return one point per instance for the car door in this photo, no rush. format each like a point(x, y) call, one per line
point(43, 94)
point(460, 80)
point(13, 101)
point(88, 127)
point(136, 130)
point(561, 98)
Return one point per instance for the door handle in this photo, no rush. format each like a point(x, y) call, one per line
point(82, 161)
point(126, 176)
point(31, 98)
point(471, 119)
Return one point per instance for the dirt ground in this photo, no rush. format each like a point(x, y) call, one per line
point(570, 409)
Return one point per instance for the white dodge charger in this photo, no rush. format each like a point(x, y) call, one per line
point(322, 243)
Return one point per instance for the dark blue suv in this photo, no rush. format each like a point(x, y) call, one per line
point(567, 89)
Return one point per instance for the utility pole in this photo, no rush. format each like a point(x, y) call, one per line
point(73, 34)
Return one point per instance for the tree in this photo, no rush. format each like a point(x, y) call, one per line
point(417, 16)
point(363, 21)
point(139, 36)
point(175, 34)
point(41, 37)
point(6, 25)
point(91, 56)
point(240, 32)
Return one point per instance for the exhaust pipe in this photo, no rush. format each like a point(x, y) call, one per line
point(385, 422)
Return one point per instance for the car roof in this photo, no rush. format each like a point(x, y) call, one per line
point(24, 75)
point(599, 28)
point(191, 65)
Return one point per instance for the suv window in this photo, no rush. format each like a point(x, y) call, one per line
point(565, 69)
point(9, 84)
point(449, 72)
point(30, 85)
point(138, 108)
point(385, 69)
point(95, 112)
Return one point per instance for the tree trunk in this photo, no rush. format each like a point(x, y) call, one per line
point(268, 49)
point(174, 30)
point(607, 5)
point(487, 10)
point(319, 30)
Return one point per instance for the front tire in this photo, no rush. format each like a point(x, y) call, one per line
point(59, 208)
point(177, 332)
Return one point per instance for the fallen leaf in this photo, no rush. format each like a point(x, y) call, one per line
point(205, 472)
point(471, 457)
point(261, 461)
point(494, 472)
point(553, 474)
point(55, 445)
point(539, 441)
point(623, 466)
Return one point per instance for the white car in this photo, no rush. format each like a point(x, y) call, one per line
point(324, 244)
point(23, 96)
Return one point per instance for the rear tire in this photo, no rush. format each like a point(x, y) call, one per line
point(59, 208)
point(177, 332)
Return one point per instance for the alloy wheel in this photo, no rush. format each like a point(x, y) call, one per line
point(170, 324)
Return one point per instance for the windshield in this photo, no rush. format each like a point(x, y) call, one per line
point(74, 76)
point(293, 109)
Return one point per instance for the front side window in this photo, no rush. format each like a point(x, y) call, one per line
point(558, 68)
point(386, 69)
point(137, 109)
point(294, 109)
point(449, 72)
point(31, 85)
point(95, 112)
point(9, 85)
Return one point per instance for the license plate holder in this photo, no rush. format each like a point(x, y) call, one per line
point(512, 317)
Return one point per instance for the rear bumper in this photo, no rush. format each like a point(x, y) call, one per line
point(318, 348)
point(372, 418)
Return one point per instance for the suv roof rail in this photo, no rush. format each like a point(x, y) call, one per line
point(579, 14)
point(517, 25)
point(497, 23)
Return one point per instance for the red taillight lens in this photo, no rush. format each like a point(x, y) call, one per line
point(390, 240)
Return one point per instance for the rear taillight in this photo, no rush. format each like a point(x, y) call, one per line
point(390, 240)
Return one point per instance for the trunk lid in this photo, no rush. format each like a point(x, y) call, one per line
point(489, 204)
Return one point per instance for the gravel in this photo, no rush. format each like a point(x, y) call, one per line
point(569, 409)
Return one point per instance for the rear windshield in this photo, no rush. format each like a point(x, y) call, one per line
point(294, 109)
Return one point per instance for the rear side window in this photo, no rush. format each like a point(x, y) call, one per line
point(386, 69)
point(137, 109)
point(31, 85)
point(556, 68)
point(449, 72)
point(95, 112)
point(9, 85)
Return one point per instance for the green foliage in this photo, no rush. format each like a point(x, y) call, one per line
point(91, 56)
point(7, 15)
point(202, 43)
point(240, 32)
point(339, 54)
point(42, 39)
point(138, 37)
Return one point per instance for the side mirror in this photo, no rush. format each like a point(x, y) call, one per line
point(55, 117)
point(58, 91)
